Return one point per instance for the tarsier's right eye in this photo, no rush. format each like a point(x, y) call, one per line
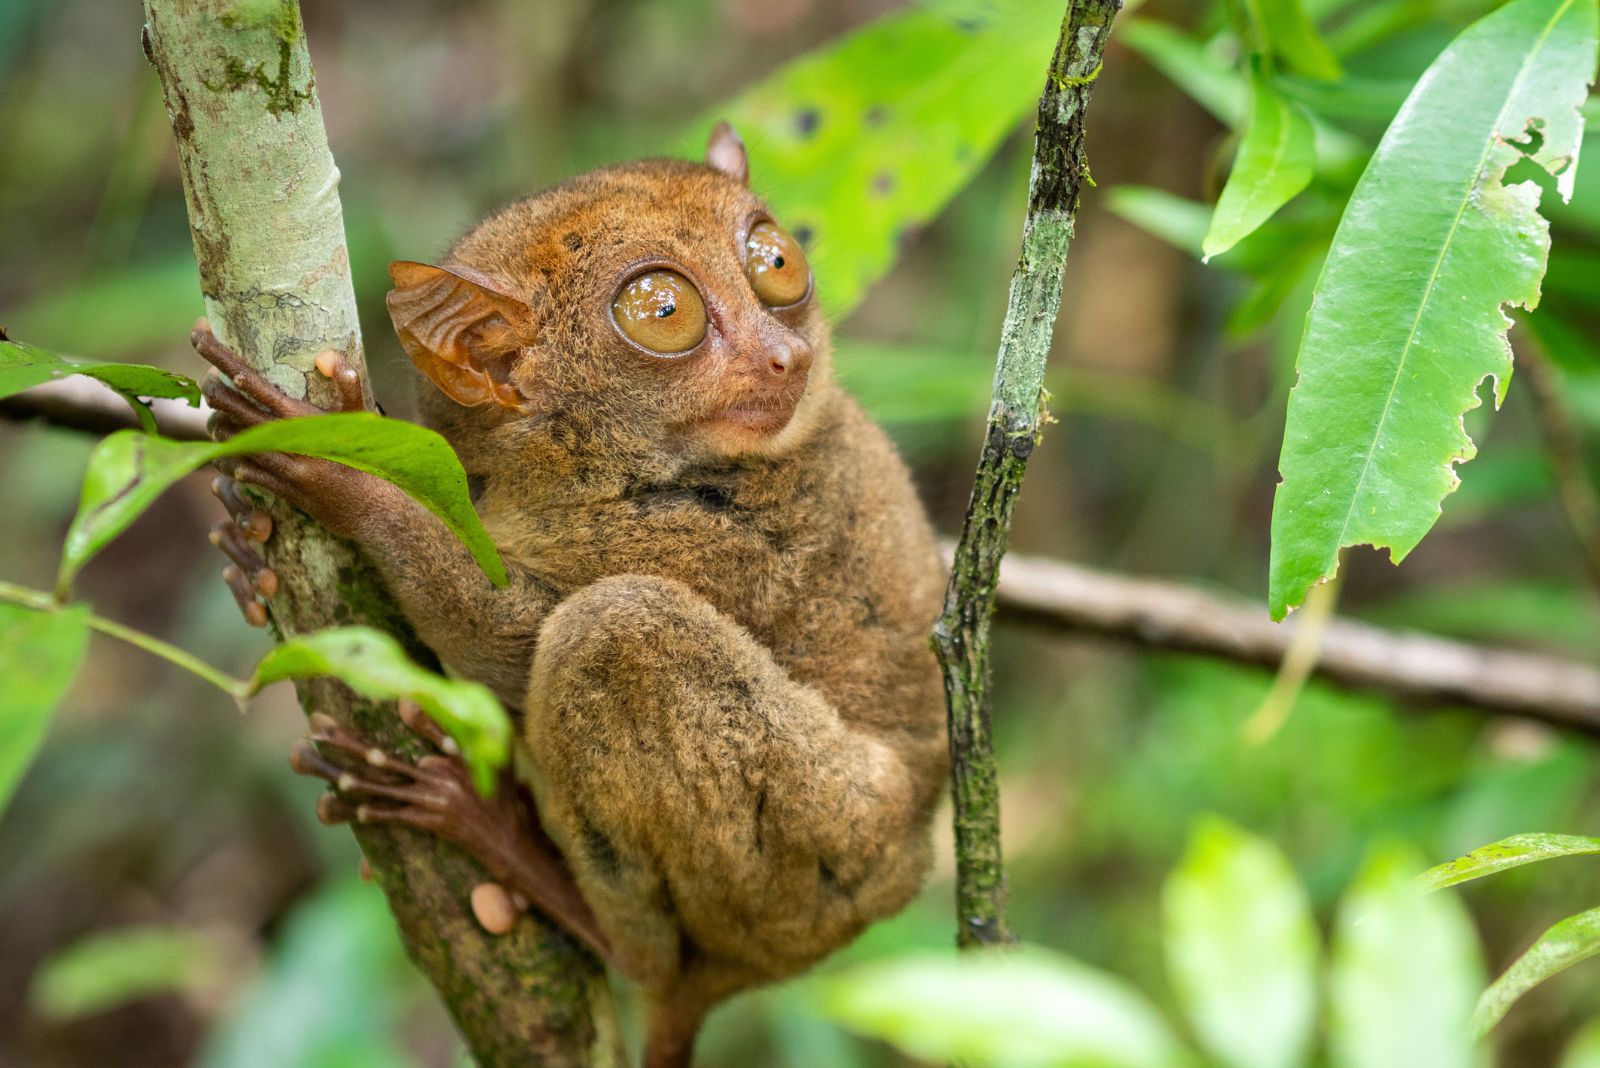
point(662, 311)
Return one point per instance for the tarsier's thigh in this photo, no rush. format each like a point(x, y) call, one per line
point(709, 805)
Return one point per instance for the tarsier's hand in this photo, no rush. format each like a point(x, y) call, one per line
point(340, 498)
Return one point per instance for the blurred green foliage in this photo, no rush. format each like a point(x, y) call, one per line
point(147, 807)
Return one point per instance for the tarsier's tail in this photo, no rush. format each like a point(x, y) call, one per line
point(674, 1023)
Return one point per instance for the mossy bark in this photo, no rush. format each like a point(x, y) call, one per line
point(264, 210)
point(1016, 420)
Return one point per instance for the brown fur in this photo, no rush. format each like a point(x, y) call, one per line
point(717, 638)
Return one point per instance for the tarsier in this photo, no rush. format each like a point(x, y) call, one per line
point(715, 637)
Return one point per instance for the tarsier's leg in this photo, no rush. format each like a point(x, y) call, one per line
point(436, 795)
point(716, 814)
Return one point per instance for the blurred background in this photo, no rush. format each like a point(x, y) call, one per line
point(157, 811)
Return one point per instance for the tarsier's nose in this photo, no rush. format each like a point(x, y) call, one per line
point(791, 356)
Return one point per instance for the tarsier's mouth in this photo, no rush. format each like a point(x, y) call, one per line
point(765, 412)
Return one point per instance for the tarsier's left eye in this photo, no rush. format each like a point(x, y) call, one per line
point(662, 311)
point(776, 266)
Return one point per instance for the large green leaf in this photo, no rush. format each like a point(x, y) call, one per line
point(1574, 939)
point(39, 655)
point(1510, 852)
point(1276, 159)
point(24, 366)
point(129, 470)
point(1242, 948)
point(858, 144)
point(113, 967)
point(1407, 320)
point(372, 663)
point(1405, 972)
point(1024, 1008)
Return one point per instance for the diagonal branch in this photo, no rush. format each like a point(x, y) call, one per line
point(961, 635)
point(264, 211)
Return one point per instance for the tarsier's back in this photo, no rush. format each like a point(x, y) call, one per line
point(721, 585)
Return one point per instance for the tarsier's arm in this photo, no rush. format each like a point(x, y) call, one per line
point(481, 631)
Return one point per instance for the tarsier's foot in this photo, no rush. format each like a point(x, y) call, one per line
point(237, 536)
point(436, 795)
point(337, 496)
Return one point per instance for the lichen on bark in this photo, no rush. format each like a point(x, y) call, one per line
point(264, 211)
point(1016, 419)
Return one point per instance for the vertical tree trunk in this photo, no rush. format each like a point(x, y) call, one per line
point(961, 636)
point(263, 199)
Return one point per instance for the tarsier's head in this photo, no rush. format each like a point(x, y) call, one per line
point(655, 302)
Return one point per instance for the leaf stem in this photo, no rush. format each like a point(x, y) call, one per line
point(38, 599)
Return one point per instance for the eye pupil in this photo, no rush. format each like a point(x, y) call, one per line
point(777, 261)
point(666, 310)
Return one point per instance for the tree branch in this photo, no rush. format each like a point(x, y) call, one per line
point(961, 635)
point(264, 211)
point(80, 403)
point(1406, 665)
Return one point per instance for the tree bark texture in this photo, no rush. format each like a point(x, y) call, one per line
point(1016, 418)
point(263, 199)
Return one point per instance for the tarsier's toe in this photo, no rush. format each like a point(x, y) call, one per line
point(333, 366)
point(237, 536)
point(371, 785)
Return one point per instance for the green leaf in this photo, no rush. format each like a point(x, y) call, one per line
point(372, 663)
point(129, 470)
point(1511, 852)
point(39, 655)
point(858, 144)
point(1584, 1050)
point(1178, 221)
point(1203, 73)
point(330, 996)
point(1405, 972)
point(1017, 1009)
point(1276, 159)
point(1294, 37)
point(1242, 948)
point(112, 968)
point(1574, 939)
point(1407, 320)
point(24, 366)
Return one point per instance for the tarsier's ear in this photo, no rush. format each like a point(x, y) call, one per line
point(726, 153)
point(461, 329)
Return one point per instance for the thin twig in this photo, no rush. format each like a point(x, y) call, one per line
point(961, 636)
point(1406, 665)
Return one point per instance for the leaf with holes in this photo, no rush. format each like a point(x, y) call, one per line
point(24, 366)
point(372, 663)
point(129, 470)
point(1276, 159)
point(1574, 939)
point(1408, 317)
point(39, 654)
point(859, 144)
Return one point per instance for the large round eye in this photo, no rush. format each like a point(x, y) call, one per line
point(776, 266)
point(662, 311)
